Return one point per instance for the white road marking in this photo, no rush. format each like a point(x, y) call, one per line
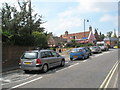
point(111, 76)
point(25, 83)
point(68, 67)
point(19, 80)
point(108, 76)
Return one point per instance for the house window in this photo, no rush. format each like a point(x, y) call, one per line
point(71, 37)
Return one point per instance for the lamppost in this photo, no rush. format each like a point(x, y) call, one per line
point(84, 28)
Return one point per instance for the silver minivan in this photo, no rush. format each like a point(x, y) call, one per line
point(40, 60)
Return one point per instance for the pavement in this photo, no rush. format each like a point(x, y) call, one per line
point(89, 73)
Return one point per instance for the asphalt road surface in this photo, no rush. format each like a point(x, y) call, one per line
point(99, 71)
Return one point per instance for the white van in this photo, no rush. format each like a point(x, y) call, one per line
point(103, 45)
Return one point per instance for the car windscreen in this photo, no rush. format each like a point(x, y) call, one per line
point(100, 44)
point(30, 55)
point(76, 50)
point(93, 47)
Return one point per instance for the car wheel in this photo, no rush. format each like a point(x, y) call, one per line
point(83, 57)
point(62, 63)
point(26, 71)
point(45, 68)
point(88, 56)
point(71, 59)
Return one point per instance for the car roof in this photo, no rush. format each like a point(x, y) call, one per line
point(81, 48)
point(38, 50)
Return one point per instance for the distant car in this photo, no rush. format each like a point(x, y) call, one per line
point(115, 47)
point(95, 49)
point(40, 60)
point(79, 53)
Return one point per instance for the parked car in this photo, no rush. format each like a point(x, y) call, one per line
point(79, 53)
point(40, 60)
point(115, 47)
point(95, 49)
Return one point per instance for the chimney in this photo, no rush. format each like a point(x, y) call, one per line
point(66, 32)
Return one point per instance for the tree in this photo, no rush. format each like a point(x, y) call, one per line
point(18, 25)
point(102, 36)
point(40, 39)
point(109, 34)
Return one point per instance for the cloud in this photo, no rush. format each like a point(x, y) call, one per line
point(63, 24)
point(107, 18)
point(110, 18)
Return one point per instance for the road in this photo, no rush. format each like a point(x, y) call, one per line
point(99, 71)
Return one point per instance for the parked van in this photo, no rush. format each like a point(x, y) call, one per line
point(102, 45)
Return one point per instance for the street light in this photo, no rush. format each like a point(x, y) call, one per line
point(84, 28)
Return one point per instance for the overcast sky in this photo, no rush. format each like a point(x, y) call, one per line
point(63, 15)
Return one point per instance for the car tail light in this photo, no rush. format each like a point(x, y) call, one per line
point(38, 61)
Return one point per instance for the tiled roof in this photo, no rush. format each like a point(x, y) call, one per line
point(77, 35)
point(111, 38)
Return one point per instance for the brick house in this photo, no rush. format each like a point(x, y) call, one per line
point(81, 37)
point(111, 41)
point(54, 41)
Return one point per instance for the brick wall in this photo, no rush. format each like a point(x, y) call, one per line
point(11, 55)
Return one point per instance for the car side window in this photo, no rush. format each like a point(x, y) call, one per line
point(43, 55)
point(49, 54)
point(55, 54)
point(84, 50)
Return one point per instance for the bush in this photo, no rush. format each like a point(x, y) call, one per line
point(78, 45)
point(24, 40)
point(40, 39)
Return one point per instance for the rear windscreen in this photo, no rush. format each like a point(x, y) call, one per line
point(32, 55)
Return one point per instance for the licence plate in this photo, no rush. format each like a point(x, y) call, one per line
point(27, 63)
point(75, 56)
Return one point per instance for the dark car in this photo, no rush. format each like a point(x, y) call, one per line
point(79, 53)
point(40, 60)
point(89, 51)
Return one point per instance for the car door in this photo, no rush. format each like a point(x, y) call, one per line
point(46, 57)
point(85, 53)
point(57, 58)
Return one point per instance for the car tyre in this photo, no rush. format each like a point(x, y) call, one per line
point(83, 57)
point(88, 56)
point(26, 71)
point(71, 59)
point(62, 63)
point(45, 68)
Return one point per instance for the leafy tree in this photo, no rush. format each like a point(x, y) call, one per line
point(18, 26)
point(40, 39)
point(109, 34)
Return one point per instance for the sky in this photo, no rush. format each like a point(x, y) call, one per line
point(69, 15)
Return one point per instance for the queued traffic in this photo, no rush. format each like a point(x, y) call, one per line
point(85, 52)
